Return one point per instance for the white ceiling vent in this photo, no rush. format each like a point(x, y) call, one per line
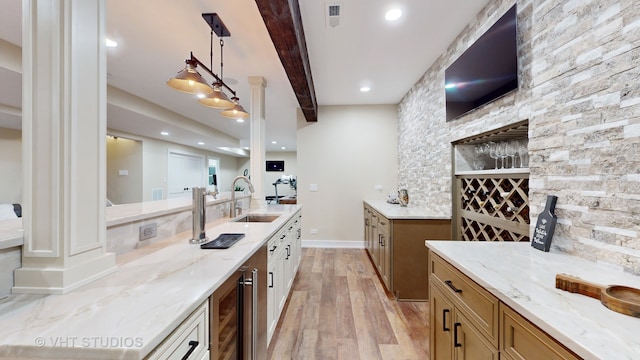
point(332, 14)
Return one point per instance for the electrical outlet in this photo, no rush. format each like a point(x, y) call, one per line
point(148, 231)
point(313, 231)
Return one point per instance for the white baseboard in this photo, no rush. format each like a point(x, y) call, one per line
point(336, 244)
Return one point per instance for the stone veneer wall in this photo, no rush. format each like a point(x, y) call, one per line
point(580, 89)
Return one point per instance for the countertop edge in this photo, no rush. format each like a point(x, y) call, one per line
point(397, 212)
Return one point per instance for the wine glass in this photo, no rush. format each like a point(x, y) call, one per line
point(523, 152)
point(493, 147)
point(511, 149)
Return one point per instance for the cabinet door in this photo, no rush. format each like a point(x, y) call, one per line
point(468, 343)
point(272, 303)
point(385, 257)
point(375, 240)
point(440, 325)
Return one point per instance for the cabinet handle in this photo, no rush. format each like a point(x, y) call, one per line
point(283, 236)
point(455, 335)
point(455, 289)
point(444, 320)
point(381, 240)
point(288, 252)
point(273, 248)
point(253, 282)
point(192, 346)
point(271, 276)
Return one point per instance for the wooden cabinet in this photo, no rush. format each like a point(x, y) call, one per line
point(397, 251)
point(519, 339)
point(464, 316)
point(468, 322)
point(190, 340)
point(284, 255)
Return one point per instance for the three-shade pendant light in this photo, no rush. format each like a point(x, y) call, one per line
point(190, 81)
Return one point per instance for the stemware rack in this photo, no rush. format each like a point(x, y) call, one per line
point(490, 204)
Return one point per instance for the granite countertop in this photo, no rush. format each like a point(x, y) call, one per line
point(397, 212)
point(125, 315)
point(524, 279)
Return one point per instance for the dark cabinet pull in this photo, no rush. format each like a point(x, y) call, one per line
point(450, 284)
point(273, 248)
point(192, 346)
point(288, 252)
point(444, 320)
point(381, 240)
point(455, 335)
point(271, 275)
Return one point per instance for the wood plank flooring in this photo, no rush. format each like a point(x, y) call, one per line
point(338, 309)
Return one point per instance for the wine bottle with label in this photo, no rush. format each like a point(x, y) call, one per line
point(545, 225)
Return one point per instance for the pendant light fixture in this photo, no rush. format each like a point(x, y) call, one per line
point(190, 81)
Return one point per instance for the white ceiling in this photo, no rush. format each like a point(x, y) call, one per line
point(156, 36)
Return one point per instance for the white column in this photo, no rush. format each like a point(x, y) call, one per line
point(257, 160)
point(64, 150)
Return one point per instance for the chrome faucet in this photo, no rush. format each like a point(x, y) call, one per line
point(199, 213)
point(232, 212)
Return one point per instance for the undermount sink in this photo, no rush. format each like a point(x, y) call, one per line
point(263, 218)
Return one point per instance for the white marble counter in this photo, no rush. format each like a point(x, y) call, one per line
point(395, 211)
point(119, 214)
point(524, 279)
point(125, 315)
point(11, 233)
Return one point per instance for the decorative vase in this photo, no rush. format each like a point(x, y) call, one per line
point(403, 197)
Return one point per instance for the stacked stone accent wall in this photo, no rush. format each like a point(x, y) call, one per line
point(579, 67)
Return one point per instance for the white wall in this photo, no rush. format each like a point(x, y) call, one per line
point(10, 166)
point(349, 151)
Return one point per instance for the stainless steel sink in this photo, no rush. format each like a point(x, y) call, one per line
point(263, 218)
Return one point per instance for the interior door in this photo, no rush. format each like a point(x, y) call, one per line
point(185, 171)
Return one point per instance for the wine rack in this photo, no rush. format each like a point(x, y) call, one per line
point(494, 208)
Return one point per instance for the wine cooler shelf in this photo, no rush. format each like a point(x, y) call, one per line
point(493, 208)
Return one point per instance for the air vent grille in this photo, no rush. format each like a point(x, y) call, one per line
point(333, 11)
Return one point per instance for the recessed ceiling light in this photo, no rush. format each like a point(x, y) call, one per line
point(365, 89)
point(164, 133)
point(201, 96)
point(393, 14)
point(111, 43)
point(240, 120)
point(200, 143)
point(284, 148)
point(274, 142)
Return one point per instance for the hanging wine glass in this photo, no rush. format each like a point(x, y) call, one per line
point(493, 153)
point(511, 149)
point(523, 153)
point(501, 151)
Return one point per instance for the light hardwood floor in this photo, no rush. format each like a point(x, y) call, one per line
point(338, 309)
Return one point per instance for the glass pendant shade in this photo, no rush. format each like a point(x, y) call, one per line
point(188, 80)
point(217, 99)
point(236, 112)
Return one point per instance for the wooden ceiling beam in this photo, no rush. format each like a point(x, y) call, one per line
point(284, 23)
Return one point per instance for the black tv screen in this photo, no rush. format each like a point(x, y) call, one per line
point(487, 70)
point(275, 165)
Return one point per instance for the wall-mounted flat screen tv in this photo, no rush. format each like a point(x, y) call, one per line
point(487, 70)
point(275, 165)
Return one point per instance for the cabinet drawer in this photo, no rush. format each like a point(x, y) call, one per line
point(478, 305)
point(522, 340)
point(195, 328)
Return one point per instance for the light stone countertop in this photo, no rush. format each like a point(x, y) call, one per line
point(397, 212)
point(524, 279)
point(12, 233)
point(136, 307)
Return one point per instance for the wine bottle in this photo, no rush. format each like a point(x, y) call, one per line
point(546, 224)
